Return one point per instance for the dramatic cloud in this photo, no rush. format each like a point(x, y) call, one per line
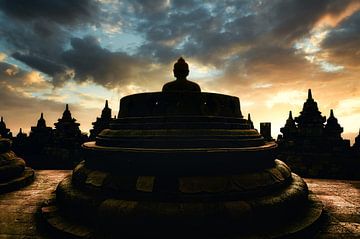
point(66, 12)
point(342, 44)
point(41, 64)
point(92, 62)
point(266, 52)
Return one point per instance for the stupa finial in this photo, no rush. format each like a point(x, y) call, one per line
point(290, 115)
point(2, 119)
point(41, 122)
point(250, 121)
point(331, 113)
point(181, 69)
point(106, 104)
point(309, 94)
point(67, 113)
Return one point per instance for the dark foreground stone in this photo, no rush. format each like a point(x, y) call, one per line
point(19, 209)
point(25, 178)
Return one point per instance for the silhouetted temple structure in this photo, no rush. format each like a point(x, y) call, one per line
point(101, 123)
point(13, 171)
point(310, 123)
point(47, 148)
point(64, 150)
point(40, 135)
point(356, 146)
point(4, 132)
point(67, 132)
point(313, 146)
point(289, 131)
point(20, 143)
point(180, 163)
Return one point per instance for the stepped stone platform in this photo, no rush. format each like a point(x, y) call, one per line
point(19, 210)
point(185, 161)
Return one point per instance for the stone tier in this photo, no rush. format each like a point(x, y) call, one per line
point(180, 122)
point(210, 206)
point(179, 161)
point(182, 188)
point(180, 164)
point(179, 103)
point(180, 138)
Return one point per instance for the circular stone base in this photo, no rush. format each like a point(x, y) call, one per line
point(298, 226)
point(292, 223)
point(20, 181)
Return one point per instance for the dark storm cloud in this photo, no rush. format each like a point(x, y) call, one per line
point(219, 33)
point(213, 32)
point(342, 43)
point(63, 12)
point(40, 64)
point(42, 27)
point(33, 37)
point(295, 18)
point(92, 62)
point(40, 30)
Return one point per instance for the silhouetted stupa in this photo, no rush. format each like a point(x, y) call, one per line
point(101, 123)
point(310, 122)
point(67, 132)
point(13, 171)
point(333, 129)
point(314, 148)
point(4, 132)
point(289, 131)
point(20, 143)
point(356, 146)
point(40, 135)
point(181, 163)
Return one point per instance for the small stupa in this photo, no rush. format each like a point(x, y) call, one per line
point(310, 122)
point(101, 122)
point(13, 171)
point(4, 132)
point(356, 146)
point(67, 130)
point(41, 134)
point(181, 163)
point(290, 130)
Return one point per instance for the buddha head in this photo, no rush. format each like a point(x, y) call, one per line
point(181, 69)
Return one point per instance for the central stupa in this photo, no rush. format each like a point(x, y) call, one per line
point(181, 163)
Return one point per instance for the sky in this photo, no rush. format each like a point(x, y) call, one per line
point(267, 53)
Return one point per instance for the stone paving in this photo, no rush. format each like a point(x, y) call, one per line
point(19, 210)
point(341, 199)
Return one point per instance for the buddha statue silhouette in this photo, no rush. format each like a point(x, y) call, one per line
point(181, 71)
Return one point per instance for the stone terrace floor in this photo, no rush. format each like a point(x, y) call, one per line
point(19, 217)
